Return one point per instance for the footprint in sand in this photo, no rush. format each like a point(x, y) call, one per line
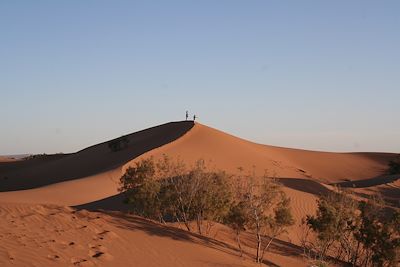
point(81, 262)
point(53, 257)
point(99, 251)
point(97, 254)
point(107, 234)
point(100, 255)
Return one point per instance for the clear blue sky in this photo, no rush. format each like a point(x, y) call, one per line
point(319, 75)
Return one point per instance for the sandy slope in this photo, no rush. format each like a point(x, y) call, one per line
point(229, 152)
point(49, 235)
point(69, 193)
point(90, 161)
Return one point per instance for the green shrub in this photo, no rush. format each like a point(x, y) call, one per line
point(394, 166)
point(118, 144)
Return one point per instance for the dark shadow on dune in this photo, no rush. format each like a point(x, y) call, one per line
point(370, 182)
point(135, 223)
point(113, 203)
point(90, 161)
point(381, 157)
point(364, 195)
point(277, 246)
point(304, 185)
point(113, 206)
point(270, 263)
point(286, 248)
point(390, 192)
point(391, 195)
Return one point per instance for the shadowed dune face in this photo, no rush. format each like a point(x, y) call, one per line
point(304, 185)
point(90, 161)
point(113, 203)
point(370, 182)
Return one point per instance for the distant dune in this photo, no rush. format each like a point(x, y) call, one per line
point(7, 159)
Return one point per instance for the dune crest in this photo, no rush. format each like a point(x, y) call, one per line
point(63, 179)
point(228, 152)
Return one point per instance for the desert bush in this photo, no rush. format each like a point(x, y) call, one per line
point(236, 219)
point(394, 166)
point(142, 189)
point(360, 233)
point(379, 234)
point(262, 207)
point(118, 144)
point(167, 189)
point(35, 156)
point(333, 222)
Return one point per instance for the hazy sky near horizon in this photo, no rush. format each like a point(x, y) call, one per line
point(321, 75)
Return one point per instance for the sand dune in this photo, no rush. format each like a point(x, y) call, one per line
point(7, 159)
point(64, 179)
point(39, 229)
point(87, 162)
point(69, 193)
point(228, 152)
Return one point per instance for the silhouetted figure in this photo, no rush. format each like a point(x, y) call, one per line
point(194, 117)
point(187, 115)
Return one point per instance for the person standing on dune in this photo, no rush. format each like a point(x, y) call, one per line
point(187, 115)
point(194, 117)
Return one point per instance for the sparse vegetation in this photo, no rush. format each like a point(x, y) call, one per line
point(394, 166)
point(35, 156)
point(360, 233)
point(237, 220)
point(118, 144)
point(167, 190)
point(262, 207)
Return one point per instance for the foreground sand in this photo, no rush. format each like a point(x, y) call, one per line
point(49, 235)
point(38, 227)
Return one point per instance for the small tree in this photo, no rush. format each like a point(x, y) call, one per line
point(167, 189)
point(279, 221)
point(213, 197)
point(198, 194)
point(394, 166)
point(237, 219)
point(265, 210)
point(333, 223)
point(363, 234)
point(379, 234)
point(141, 188)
